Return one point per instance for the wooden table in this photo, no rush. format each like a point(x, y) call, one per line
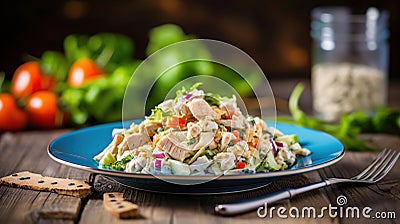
point(27, 151)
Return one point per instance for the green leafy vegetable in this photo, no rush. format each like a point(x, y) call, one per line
point(119, 165)
point(351, 125)
point(385, 120)
point(209, 153)
point(55, 64)
point(157, 114)
point(163, 36)
point(182, 92)
point(212, 99)
point(108, 50)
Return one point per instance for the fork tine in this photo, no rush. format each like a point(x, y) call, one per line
point(388, 168)
point(370, 166)
point(381, 166)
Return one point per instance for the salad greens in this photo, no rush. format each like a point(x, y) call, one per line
point(385, 120)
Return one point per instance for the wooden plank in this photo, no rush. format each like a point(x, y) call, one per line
point(28, 151)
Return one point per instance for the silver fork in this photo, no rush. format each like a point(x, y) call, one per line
point(377, 170)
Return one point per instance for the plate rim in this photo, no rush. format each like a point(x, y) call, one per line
point(275, 174)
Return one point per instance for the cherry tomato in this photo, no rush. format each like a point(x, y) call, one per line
point(28, 78)
point(12, 118)
point(82, 71)
point(240, 165)
point(43, 110)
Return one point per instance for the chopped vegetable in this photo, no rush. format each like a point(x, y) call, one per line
point(119, 165)
point(159, 155)
point(179, 168)
point(240, 165)
point(107, 159)
point(288, 139)
point(158, 164)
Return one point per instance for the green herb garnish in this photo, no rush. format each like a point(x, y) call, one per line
point(212, 99)
point(121, 164)
point(191, 141)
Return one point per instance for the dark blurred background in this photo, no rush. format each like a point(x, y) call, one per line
point(274, 33)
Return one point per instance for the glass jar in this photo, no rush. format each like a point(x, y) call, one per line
point(350, 61)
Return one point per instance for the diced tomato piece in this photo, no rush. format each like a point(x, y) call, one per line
point(236, 133)
point(182, 121)
point(229, 117)
point(176, 122)
point(253, 143)
point(240, 165)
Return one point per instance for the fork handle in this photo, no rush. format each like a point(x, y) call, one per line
point(261, 201)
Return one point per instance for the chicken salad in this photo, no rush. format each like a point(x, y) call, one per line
point(200, 133)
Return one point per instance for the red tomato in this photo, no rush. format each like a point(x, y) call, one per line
point(12, 118)
point(175, 122)
point(231, 115)
point(253, 143)
point(82, 71)
point(43, 110)
point(182, 121)
point(28, 78)
point(236, 133)
point(240, 165)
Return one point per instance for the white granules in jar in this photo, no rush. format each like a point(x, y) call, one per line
point(344, 88)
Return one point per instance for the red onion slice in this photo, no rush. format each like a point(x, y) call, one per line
point(159, 155)
point(274, 150)
point(187, 96)
point(157, 164)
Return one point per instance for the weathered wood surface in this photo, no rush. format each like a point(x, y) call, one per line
point(27, 151)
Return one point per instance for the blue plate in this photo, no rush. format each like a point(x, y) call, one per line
point(77, 148)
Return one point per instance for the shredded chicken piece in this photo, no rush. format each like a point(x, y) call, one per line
point(194, 130)
point(131, 142)
point(226, 138)
point(207, 125)
point(200, 109)
point(225, 160)
point(173, 149)
point(167, 105)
